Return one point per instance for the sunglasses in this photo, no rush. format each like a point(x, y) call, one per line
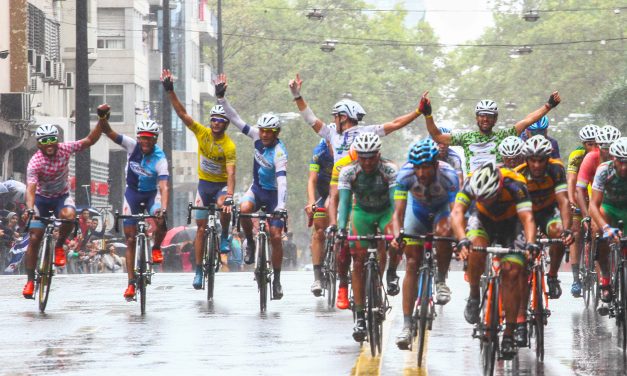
point(48, 140)
point(218, 120)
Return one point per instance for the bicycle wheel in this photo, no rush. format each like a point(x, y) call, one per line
point(44, 280)
point(140, 251)
point(424, 282)
point(210, 262)
point(586, 274)
point(622, 300)
point(370, 309)
point(330, 276)
point(490, 319)
point(262, 272)
point(538, 314)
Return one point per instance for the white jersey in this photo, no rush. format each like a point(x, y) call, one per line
point(342, 142)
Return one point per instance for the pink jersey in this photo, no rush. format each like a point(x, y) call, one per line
point(588, 168)
point(50, 174)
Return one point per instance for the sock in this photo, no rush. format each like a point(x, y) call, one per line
point(225, 232)
point(277, 275)
point(441, 277)
point(575, 268)
point(199, 269)
point(30, 273)
point(406, 321)
point(317, 272)
point(391, 271)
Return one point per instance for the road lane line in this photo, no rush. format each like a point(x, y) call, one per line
point(411, 363)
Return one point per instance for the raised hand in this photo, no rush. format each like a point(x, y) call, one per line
point(220, 85)
point(167, 80)
point(554, 99)
point(295, 86)
point(425, 104)
point(103, 111)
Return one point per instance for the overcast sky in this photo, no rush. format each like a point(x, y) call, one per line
point(463, 23)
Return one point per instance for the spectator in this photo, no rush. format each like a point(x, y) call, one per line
point(91, 234)
point(235, 257)
point(290, 253)
point(112, 262)
point(73, 257)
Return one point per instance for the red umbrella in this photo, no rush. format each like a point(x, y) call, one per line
point(178, 235)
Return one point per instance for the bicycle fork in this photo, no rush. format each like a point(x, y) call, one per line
point(262, 263)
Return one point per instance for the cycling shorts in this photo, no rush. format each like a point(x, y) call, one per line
point(419, 219)
point(547, 217)
point(45, 205)
point(133, 200)
point(262, 197)
point(505, 233)
point(207, 193)
point(363, 223)
point(615, 214)
point(321, 210)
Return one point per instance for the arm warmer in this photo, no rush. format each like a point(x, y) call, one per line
point(308, 115)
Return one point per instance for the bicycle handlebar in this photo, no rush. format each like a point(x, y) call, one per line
point(50, 220)
point(261, 214)
point(140, 216)
point(496, 250)
point(353, 238)
point(550, 241)
point(403, 235)
point(211, 208)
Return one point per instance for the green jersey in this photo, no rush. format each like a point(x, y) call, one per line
point(481, 148)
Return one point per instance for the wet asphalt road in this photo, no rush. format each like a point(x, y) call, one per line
point(88, 329)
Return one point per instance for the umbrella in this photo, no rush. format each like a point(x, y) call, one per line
point(178, 235)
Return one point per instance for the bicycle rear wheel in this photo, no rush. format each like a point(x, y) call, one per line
point(538, 314)
point(490, 320)
point(423, 315)
point(44, 280)
point(330, 276)
point(262, 273)
point(210, 263)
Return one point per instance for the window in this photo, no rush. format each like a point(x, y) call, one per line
point(110, 94)
point(111, 33)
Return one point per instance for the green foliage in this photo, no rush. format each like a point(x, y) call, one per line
point(612, 104)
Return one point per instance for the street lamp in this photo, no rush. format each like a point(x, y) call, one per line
point(510, 106)
point(315, 15)
point(515, 53)
point(4, 54)
point(531, 15)
point(328, 45)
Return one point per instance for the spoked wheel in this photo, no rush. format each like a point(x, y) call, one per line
point(423, 314)
point(490, 318)
point(587, 276)
point(331, 277)
point(621, 316)
point(210, 264)
point(44, 280)
point(371, 306)
point(262, 275)
point(140, 251)
point(538, 316)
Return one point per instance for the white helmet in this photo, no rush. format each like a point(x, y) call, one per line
point(588, 132)
point(484, 182)
point(486, 107)
point(367, 142)
point(46, 130)
point(147, 126)
point(537, 146)
point(607, 135)
point(511, 147)
point(218, 110)
point(618, 148)
point(269, 121)
point(349, 107)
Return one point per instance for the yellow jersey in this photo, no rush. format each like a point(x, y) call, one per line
point(341, 163)
point(213, 155)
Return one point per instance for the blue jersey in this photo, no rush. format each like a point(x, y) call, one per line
point(143, 171)
point(269, 162)
point(441, 191)
point(454, 160)
point(322, 163)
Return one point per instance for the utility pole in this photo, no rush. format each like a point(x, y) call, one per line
point(166, 109)
point(220, 51)
point(82, 167)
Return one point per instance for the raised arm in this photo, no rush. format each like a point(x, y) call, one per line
point(434, 132)
point(424, 107)
point(168, 85)
point(103, 111)
point(220, 89)
point(554, 100)
point(305, 111)
point(103, 124)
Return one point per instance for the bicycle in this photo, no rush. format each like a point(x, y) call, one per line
point(376, 302)
point(329, 269)
point(210, 246)
point(263, 262)
point(424, 308)
point(618, 263)
point(44, 271)
point(587, 272)
point(143, 271)
point(488, 328)
point(537, 310)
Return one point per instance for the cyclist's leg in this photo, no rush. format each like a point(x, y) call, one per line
point(35, 235)
point(65, 209)
point(154, 203)
point(320, 223)
point(248, 205)
point(476, 260)
point(132, 201)
point(384, 220)
point(362, 224)
point(575, 255)
point(511, 276)
point(442, 227)
point(225, 224)
point(413, 257)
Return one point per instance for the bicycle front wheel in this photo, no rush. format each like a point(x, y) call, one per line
point(490, 320)
point(373, 304)
point(423, 315)
point(587, 274)
point(538, 313)
point(211, 255)
point(141, 280)
point(44, 280)
point(621, 316)
point(262, 273)
point(330, 276)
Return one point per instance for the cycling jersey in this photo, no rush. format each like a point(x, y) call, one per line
point(480, 148)
point(340, 143)
point(441, 191)
point(555, 153)
point(543, 190)
point(588, 168)
point(143, 171)
point(575, 158)
point(454, 160)
point(50, 174)
point(371, 191)
point(614, 189)
point(339, 165)
point(322, 163)
point(512, 198)
point(213, 155)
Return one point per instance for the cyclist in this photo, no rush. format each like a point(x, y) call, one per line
point(480, 146)
point(608, 206)
point(587, 136)
point(48, 189)
point(346, 114)
point(546, 183)
point(269, 187)
point(146, 183)
point(448, 155)
point(320, 170)
point(540, 127)
point(216, 170)
point(428, 186)
point(502, 206)
point(511, 153)
point(371, 180)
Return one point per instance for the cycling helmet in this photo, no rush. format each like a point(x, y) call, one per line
point(423, 151)
point(619, 148)
point(46, 130)
point(351, 108)
point(486, 107)
point(588, 133)
point(367, 143)
point(217, 110)
point(511, 147)
point(485, 181)
point(147, 127)
point(540, 125)
point(607, 135)
point(269, 121)
point(537, 146)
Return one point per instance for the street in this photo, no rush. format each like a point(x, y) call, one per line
point(88, 329)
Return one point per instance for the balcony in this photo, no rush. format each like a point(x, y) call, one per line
point(205, 82)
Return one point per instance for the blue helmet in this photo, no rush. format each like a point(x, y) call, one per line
point(540, 125)
point(423, 151)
